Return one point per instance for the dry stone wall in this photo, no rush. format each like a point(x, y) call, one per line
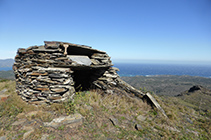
point(45, 74)
point(38, 79)
point(53, 72)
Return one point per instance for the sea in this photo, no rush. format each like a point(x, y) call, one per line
point(5, 68)
point(135, 69)
point(144, 69)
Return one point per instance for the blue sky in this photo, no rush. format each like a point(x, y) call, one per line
point(128, 30)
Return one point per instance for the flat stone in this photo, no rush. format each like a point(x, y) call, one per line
point(25, 135)
point(114, 68)
point(138, 127)
point(3, 91)
point(37, 74)
point(47, 81)
point(156, 104)
point(21, 50)
point(103, 78)
point(105, 61)
point(141, 118)
point(65, 120)
point(62, 58)
point(173, 129)
point(61, 86)
point(58, 89)
point(57, 75)
point(4, 97)
point(59, 100)
point(25, 70)
point(18, 122)
point(46, 50)
point(68, 81)
point(95, 62)
point(54, 97)
point(43, 61)
point(42, 89)
point(51, 45)
point(3, 138)
point(189, 120)
point(38, 102)
point(30, 52)
point(110, 75)
point(81, 60)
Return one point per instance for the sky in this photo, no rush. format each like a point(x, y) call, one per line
point(128, 30)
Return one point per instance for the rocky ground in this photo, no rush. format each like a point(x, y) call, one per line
point(92, 115)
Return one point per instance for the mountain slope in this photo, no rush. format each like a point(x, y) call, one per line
point(6, 63)
point(198, 96)
point(170, 85)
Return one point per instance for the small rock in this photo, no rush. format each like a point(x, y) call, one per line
point(21, 50)
point(25, 135)
point(3, 138)
point(4, 97)
point(3, 91)
point(64, 120)
point(58, 89)
point(141, 118)
point(173, 129)
point(44, 137)
point(18, 122)
point(189, 120)
point(138, 127)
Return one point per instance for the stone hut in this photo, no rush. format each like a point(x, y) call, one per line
point(55, 71)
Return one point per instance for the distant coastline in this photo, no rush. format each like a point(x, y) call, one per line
point(5, 68)
point(144, 69)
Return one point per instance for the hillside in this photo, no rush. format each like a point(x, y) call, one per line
point(170, 85)
point(7, 75)
point(6, 63)
point(198, 98)
point(92, 115)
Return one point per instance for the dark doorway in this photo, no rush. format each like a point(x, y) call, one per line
point(83, 79)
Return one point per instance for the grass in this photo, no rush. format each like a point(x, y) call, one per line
point(98, 110)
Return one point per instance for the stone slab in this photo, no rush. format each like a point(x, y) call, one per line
point(65, 120)
point(81, 60)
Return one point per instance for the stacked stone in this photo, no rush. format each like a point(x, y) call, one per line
point(44, 74)
point(108, 79)
point(101, 59)
point(38, 78)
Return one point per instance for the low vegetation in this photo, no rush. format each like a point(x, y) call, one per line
point(168, 85)
point(105, 117)
point(7, 75)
